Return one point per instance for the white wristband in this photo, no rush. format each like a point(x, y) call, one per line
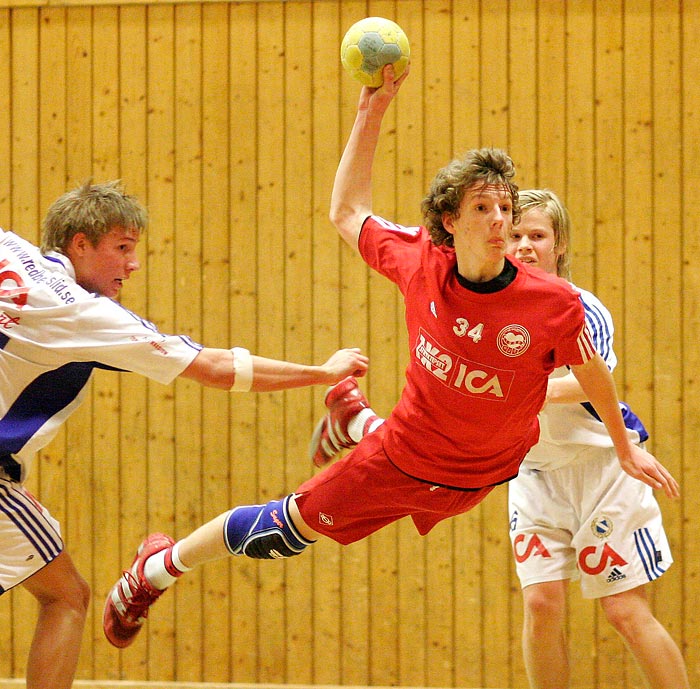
point(242, 369)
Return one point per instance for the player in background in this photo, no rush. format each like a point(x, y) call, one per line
point(451, 438)
point(58, 322)
point(574, 513)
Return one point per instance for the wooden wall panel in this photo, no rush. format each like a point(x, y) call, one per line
point(228, 120)
point(577, 185)
point(688, 448)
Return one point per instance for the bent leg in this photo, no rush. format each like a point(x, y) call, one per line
point(207, 543)
point(260, 531)
point(63, 597)
point(545, 648)
point(658, 656)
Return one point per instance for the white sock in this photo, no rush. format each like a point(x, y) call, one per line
point(356, 425)
point(158, 574)
point(375, 424)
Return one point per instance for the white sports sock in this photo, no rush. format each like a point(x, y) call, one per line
point(157, 573)
point(356, 425)
point(374, 425)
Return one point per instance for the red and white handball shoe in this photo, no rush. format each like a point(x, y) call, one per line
point(127, 604)
point(344, 401)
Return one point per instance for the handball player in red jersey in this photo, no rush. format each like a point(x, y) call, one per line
point(485, 332)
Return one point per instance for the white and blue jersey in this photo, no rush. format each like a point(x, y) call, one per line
point(53, 335)
point(567, 430)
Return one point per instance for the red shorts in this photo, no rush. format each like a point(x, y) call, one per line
point(364, 491)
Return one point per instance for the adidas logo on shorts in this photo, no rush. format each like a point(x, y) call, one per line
point(615, 575)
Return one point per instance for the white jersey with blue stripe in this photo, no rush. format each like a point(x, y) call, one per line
point(567, 430)
point(53, 334)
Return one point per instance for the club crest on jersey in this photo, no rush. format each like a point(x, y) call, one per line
point(513, 340)
point(467, 377)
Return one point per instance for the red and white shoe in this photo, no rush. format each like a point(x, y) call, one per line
point(344, 401)
point(127, 604)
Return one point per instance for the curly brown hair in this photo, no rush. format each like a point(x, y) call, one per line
point(484, 166)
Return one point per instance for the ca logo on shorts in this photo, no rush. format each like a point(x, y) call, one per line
point(524, 548)
point(606, 557)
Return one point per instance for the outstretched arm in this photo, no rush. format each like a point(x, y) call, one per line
point(216, 368)
point(351, 200)
point(599, 386)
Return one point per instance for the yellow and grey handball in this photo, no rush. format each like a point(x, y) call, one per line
point(372, 43)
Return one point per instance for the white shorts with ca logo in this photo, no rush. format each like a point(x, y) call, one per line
point(30, 537)
point(589, 520)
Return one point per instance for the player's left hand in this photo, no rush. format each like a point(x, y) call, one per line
point(380, 97)
point(346, 362)
point(643, 466)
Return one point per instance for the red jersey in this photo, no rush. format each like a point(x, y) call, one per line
point(477, 373)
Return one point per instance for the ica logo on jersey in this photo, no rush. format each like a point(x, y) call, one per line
point(466, 377)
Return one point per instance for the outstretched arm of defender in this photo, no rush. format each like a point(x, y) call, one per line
point(239, 370)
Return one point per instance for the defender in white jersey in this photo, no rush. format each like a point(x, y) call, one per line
point(573, 512)
point(58, 322)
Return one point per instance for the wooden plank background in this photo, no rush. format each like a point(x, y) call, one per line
point(228, 120)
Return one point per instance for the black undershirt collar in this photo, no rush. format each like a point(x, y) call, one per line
point(501, 281)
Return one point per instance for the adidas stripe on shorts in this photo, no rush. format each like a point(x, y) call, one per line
point(30, 537)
